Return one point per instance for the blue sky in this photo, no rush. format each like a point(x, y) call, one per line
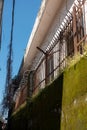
point(25, 15)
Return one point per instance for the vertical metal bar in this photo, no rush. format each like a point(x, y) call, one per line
point(35, 80)
point(75, 30)
point(46, 65)
point(60, 47)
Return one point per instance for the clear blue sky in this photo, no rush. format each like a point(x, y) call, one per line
point(25, 15)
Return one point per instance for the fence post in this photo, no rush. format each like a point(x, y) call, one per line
point(46, 62)
point(75, 30)
point(46, 73)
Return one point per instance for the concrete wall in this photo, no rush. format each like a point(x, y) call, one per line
point(62, 105)
point(74, 100)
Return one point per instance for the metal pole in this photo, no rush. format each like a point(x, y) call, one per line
point(75, 30)
point(46, 57)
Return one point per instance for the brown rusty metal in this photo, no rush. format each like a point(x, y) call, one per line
point(75, 30)
point(81, 40)
point(46, 74)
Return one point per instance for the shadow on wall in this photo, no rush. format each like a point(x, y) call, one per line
point(42, 112)
point(46, 114)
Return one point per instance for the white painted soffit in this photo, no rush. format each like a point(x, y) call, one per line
point(42, 24)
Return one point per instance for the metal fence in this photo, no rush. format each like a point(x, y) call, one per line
point(69, 39)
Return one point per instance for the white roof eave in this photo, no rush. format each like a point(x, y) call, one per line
point(42, 24)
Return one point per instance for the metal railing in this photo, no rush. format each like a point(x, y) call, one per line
point(69, 41)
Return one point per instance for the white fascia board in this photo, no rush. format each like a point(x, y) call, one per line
point(35, 27)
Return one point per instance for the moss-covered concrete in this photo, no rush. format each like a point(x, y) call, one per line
point(41, 111)
point(75, 81)
point(74, 101)
point(62, 105)
point(74, 116)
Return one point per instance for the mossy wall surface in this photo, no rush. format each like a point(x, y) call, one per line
point(42, 112)
point(62, 105)
point(74, 101)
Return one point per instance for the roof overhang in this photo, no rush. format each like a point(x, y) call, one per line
point(42, 24)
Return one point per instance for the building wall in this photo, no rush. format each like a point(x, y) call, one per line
point(62, 105)
point(61, 49)
point(57, 20)
point(57, 61)
point(74, 101)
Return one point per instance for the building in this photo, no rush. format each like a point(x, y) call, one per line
point(46, 96)
point(59, 32)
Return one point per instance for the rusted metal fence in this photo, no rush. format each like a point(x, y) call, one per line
point(22, 93)
point(69, 40)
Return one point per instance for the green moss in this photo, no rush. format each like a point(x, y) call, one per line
point(75, 81)
point(74, 116)
point(74, 101)
point(40, 109)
